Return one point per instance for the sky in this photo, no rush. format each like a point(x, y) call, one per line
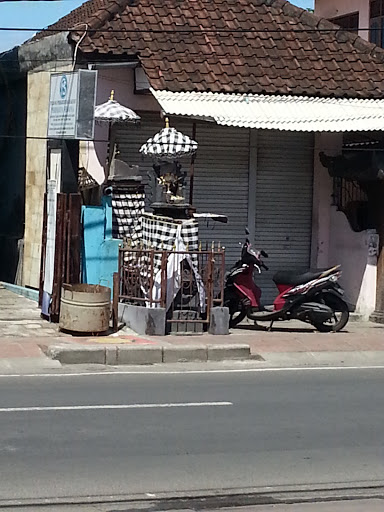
point(40, 14)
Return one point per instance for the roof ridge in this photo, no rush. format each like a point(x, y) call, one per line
point(105, 13)
point(94, 21)
point(342, 36)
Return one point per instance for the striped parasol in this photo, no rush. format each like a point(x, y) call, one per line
point(169, 145)
point(113, 112)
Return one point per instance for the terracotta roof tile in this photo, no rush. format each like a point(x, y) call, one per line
point(258, 46)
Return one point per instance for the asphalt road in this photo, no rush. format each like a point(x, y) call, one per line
point(368, 505)
point(118, 435)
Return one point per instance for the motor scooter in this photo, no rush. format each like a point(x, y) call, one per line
point(312, 297)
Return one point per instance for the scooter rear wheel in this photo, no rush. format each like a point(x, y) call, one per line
point(340, 316)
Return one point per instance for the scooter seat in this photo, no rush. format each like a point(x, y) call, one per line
point(295, 278)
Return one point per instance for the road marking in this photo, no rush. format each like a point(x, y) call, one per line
point(188, 372)
point(114, 407)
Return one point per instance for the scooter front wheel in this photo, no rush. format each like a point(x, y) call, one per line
point(340, 314)
point(236, 316)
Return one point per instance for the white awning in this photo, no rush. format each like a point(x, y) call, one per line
point(289, 113)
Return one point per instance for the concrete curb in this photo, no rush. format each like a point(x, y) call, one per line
point(77, 355)
point(185, 354)
point(138, 355)
point(219, 352)
point(28, 293)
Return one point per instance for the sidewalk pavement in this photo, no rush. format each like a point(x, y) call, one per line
point(23, 334)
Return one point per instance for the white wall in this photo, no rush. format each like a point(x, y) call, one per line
point(334, 242)
point(331, 144)
point(359, 270)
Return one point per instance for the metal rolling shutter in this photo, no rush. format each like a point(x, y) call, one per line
point(284, 184)
point(221, 174)
point(221, 184)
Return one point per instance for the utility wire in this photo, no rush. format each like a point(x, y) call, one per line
point(299, 58)
point(201, 30)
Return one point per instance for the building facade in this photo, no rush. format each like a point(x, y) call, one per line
point(365, 17)
point(257, 167)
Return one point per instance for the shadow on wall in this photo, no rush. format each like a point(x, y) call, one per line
point(11, 231)
point(350, 250)
point(12, 162)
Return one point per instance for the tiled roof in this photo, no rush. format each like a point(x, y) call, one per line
point(245, 46)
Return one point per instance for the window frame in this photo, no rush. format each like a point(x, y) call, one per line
point(376, 22)
point(354, 28)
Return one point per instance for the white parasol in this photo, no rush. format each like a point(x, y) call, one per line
point(113, 112)
point(169, 145)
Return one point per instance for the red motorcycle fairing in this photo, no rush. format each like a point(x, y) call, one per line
point(279, 302)
point(245, 284)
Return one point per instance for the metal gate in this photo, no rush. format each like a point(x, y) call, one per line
point(187, 284)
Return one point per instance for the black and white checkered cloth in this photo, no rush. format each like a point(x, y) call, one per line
point(160, 234)
point(127, 211)
point(113, 112)
point(169, 144)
